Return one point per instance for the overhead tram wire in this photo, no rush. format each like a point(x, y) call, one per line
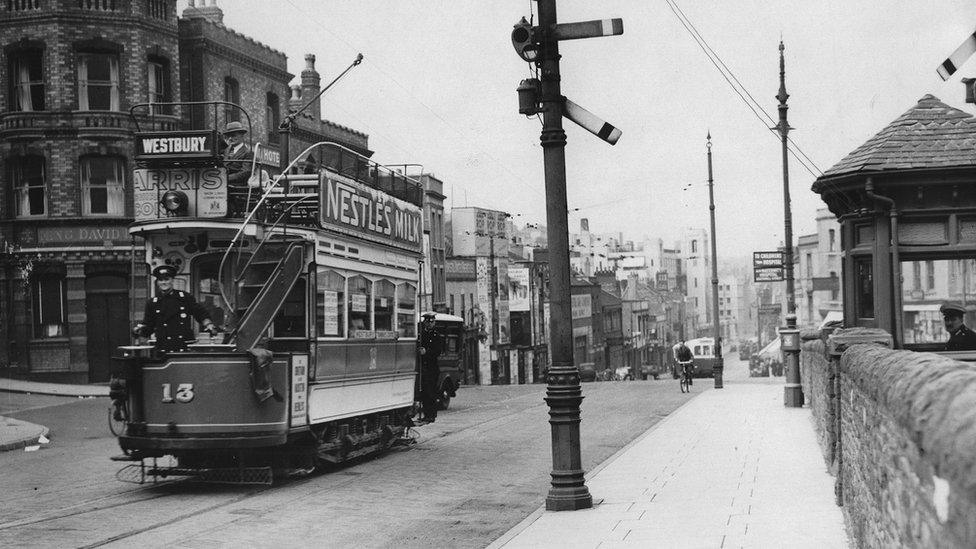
point(752, 107)
point(712, 56)
point(436, 115)
point(769, 118)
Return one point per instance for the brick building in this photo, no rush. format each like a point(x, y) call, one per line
point(71, 72)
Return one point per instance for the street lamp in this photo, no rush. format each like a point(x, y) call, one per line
point(790, 335)
point(717, 347)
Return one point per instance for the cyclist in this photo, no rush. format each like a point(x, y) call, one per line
point(684, 358)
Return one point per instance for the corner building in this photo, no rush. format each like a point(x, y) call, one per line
point(71, 71)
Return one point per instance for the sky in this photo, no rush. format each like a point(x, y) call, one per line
point(437, 87)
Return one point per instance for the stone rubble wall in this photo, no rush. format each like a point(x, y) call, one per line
point(904, 448)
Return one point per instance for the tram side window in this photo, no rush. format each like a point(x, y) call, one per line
point(331, 292)
point(384, 294)
point(360, 317)
point(406, 310)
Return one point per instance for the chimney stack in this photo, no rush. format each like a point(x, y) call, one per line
point(310, 87)
point(211, 13)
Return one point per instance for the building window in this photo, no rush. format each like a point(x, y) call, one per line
point(834, 286)
point(929, 275)
point(157, 75)
point(102, 185)
point(694, 246)
point(809, 265)
point(232, 94)
point(48, 305)
point(98, 82)
point(831, 238)
point(916, 275)
point(28, 181)
point(272, 115)
point(27, 80)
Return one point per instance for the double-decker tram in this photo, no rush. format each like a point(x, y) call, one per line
point(313, 279)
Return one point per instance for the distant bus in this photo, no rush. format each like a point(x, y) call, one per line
point(703, 350)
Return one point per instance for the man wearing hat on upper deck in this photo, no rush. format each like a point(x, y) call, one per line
point(961, 338)
point(237, 160)
point(170, 313)
point(431, 345)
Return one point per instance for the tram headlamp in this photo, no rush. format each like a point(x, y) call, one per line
point(174, 202)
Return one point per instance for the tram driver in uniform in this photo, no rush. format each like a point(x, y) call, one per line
point(431, 345)
point(961, 338)
point(170, 313)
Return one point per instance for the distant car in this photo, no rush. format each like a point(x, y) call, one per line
point(623, 373)
point(649, 371)
point(587, 371)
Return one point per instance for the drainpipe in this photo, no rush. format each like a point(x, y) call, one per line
point(896, 263)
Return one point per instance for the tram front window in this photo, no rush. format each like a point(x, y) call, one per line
point(927, 284)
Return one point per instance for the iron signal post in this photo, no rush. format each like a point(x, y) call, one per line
point(540, 45)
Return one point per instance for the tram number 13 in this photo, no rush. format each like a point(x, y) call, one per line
point(184, 393)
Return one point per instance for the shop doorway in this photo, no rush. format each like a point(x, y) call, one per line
point(106, 300)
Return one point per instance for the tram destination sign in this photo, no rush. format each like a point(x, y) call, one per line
point(181, 145)
point(768, 266)
point(352, 208)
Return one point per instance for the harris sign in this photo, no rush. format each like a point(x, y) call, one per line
point(352, 208)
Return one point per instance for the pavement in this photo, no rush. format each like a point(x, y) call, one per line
point(16, 434)
point(731, 468)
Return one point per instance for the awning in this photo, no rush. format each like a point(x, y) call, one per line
point(832, 316)
point(771, 349)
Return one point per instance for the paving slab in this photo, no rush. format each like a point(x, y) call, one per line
point(732, 468)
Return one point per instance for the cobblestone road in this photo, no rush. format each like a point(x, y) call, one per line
point(471, 476)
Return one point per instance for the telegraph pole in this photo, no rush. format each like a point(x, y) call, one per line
point(793, 391)
point(719, 366)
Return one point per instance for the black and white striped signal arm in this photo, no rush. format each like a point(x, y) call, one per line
point(958, 57)
point(589, 121)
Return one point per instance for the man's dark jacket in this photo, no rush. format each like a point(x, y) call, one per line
point(170, 316)
point(962, 339)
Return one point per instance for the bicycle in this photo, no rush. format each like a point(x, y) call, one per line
point(685, 382)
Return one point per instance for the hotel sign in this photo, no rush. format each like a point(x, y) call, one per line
point(352, 208)
point(180, 145)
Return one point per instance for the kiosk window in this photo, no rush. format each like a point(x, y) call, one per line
point(406, 310)
point(864, 288)
point(331, 292)
point(941, 280)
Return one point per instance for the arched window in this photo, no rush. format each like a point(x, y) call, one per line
point(331, 293)
point(360, 316)
point(27, 79)
point(28, 181)
point(102, 185)
point(694, 246)
point(232, 94)
point(272, 116)
point(407, 310)
point(98, 81)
